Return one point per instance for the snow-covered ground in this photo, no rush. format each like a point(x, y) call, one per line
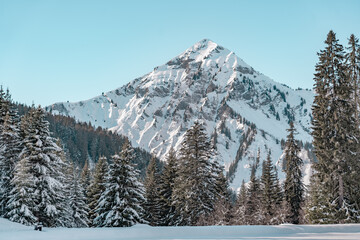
point(14, 231)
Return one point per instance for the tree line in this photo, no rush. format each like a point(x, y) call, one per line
point(82, 142)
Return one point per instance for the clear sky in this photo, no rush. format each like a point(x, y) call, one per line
point(52, 51)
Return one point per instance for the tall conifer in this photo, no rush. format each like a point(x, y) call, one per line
point(336, 135)
point(293, 186)
point(10, 146)
point(166, 187)
point(152, 205)
point(97, 187)
point(194, 193)
point(269, 194)
point(121, 203)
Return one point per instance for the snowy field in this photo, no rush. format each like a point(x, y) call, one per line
point(14, 231)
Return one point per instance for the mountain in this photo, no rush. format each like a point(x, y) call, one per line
point(243, 110)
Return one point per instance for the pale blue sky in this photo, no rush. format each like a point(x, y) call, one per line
point(53, 51)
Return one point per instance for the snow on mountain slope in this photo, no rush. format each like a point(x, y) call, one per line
point(242, 109)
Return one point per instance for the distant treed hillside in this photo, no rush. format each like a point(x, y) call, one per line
point(83, 142)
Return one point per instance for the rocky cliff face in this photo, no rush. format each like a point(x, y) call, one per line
point(243, 110)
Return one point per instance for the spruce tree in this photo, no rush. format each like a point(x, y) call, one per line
point(97, 187)
point(121, 203)
point(241, 201)
point(77, 201)
point(152, 205)
point(166, 186)
point(293, 186)
point(41, 164)
point(336, 135)
point(43, 154)
point(194, 194)
point(253, 213)
point(64, 203)
point(10, 146)
point(20, 207)
point(269, 194)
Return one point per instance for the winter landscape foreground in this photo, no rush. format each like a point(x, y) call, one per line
point(15, 231)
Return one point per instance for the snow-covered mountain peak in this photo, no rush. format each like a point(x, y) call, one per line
point(200, 50)
point(242, 109)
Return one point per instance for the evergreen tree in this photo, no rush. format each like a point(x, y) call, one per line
point(336, 135)
point(10, 146)
point(253, 212)
point(40, 163)
point(166, 186)
point(97, 187)
point(152, 204)
point(194, 193)
point(293, 186)
point(65, 167)
point(20, 207)
point(120, 204)
point(41, 150)
point(241, 201)
point(269, 194)
point(77, 201)
point(222, 210)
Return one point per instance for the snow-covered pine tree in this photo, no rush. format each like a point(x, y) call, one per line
point(222, 211)
point(293, 186)
point(77, 201)
point(10, 146)
point(121, 203)
point(41, 152)
point(167, 180)
point(253, 211)
point(20, 207)
point(336, 135)
point(152, 205)
point(241, 201)
point(65, 169)
point(269, 194)
point(195, 185)
point(96, 188)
